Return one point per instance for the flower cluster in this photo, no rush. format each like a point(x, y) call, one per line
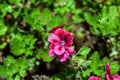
point(108, 75)
point(94, 78)
point(60, 43)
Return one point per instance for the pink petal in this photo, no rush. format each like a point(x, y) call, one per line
point(51, 53)
point(108, 68)
point(94, 78)
point(67, 37)
point(116, 77)
point(108, 76)
point(54, 39)
point(69, 50)
point(64, 57)
point(51, 46)
point(54, 29)
point(59, 32)
point(59, 49)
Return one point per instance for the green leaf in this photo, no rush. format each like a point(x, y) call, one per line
point(95, 62)
point(9, 60)
point(77, 19)
point(17, 77)
point(46, 57)
point(104, 61)
point(86, 73)
point(114, 67)
point(2, 45)
point(43, 54)
point(3, 70)
point(22, 44)
point(103, 24)
point(84, 51)
point(30, 63)
point(3, 29)
point(32, 1)
point(37, 63)
point(92, 20)
point(16, 67)
point(16, 13)
point(16, 46)
point(11, 1)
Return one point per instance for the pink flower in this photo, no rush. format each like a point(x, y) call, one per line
point(94, 78)
point(116, 77)
point(54, 29)
point(60, 43)
point(108, 75)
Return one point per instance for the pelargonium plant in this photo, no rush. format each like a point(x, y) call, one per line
point(60, 43)
point(108, 75)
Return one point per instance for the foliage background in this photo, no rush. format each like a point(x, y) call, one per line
point(24, 27)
